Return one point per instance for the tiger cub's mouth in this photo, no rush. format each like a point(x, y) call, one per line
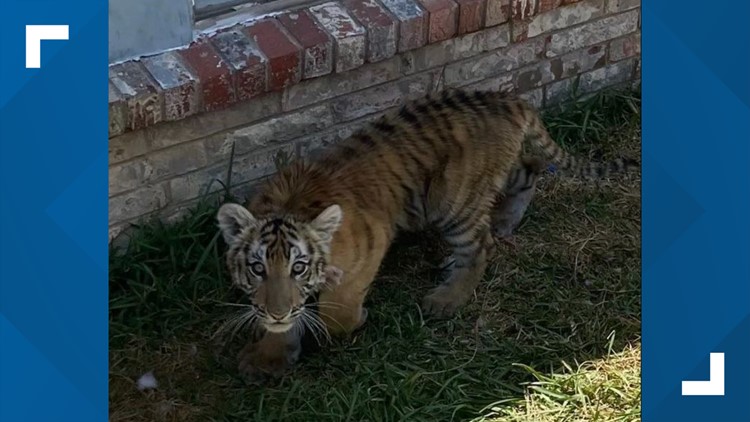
point(275, 326)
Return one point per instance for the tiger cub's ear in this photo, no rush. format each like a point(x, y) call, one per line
point(327, 222)
point(333, 276)
point(233, 218)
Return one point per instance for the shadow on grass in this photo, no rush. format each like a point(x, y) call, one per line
point(568, 291)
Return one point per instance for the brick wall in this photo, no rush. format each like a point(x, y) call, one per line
point(286, 85)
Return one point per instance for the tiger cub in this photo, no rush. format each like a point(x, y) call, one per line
point(440, 161)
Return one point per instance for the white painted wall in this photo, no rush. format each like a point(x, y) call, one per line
point(143, 27)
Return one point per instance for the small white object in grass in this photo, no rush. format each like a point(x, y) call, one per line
point(147, 381)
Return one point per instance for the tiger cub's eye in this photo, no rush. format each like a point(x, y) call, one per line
point(299, 268)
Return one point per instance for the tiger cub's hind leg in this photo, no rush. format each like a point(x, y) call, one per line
point(472, 247)
point(511, 204)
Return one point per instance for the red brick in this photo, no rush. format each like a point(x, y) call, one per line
point(524, 9)
point(547, 5)
point(348, 35)
point(382, 28)
point(497, 12)
point(283, 53)
point(471, 15)
point(249, 66)
point(520, 30)
point(316, 44)
point(214, 75)
point(412, 23)
point(443, 19)
point(369, 12)
point(144, 99)
point(566, 2)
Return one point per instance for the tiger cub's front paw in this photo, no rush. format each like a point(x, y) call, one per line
point(269, 358)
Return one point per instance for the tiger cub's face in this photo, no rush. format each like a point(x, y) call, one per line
point(279, 262)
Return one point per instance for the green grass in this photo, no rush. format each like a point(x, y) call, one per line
point(552, 334)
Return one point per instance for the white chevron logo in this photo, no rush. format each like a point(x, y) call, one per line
point(715, 384)
point(35, 34)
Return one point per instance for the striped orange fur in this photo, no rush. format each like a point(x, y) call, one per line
point(442, 161)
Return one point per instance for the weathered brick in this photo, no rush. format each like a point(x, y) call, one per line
point(309, 146)
point(137, 203)
point(457, 48)
point(180, 86)
point(118, 112)
point(269, 133)
point(443, 19)
point(471, 15)
point(382, 28)
point(244, 191)
point(318, 90)
point(178, 212)
point(614, 6)
point(506, 60)
point(248, 64)
point(198, 183)
point(143, 97)
point(174, 161)
point(595, 80)
point(114, 233)
point(312, 146)
point(500, 83)
point(527, 79)
point(578, 62)
point(520, 30)
point(531, 77)
point(348, 35)
point(214, 74)
point(524, 9)
point(381, 97)
point(175, 214)
point(564, 17)
point(283, 53)
point(127, 146)
point(498, 11)
point(534, 97)
point(623, 48)
point(206, 124)
point(317, 45)
point(194, 127)
point(613, 74)
point(143, 171)
point(558, 92)
point(129, 175)
point(438, 81)
point(259, 164)
point(547, 5)
point(482, 59)
point(412, 23)
point(593, 33)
